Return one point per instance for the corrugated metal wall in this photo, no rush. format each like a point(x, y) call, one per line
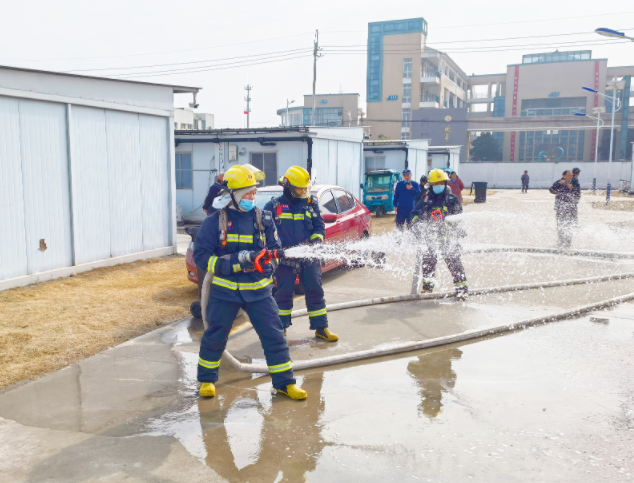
point(45, 181)
point(120, 185)
point(12, 240)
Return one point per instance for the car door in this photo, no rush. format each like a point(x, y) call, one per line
point(334, 230)
point(346, 209)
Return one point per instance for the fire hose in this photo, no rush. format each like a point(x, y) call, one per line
point(450, 339)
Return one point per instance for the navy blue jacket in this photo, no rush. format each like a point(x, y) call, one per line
point(233, 281)
point(299, 222)
point(405, 199)
point(214, 191)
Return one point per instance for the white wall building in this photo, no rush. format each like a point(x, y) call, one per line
point(187, 119)
point(86, 173)
point(332, 155)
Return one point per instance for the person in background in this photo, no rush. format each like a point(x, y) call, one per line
point(404, 199)
point(566, 200)
point(214, 191)
point(575, 183)
point(423, 188)
point(525, 179)
point(455, 183)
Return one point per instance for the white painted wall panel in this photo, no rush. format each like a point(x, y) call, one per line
point(124, 172)
point(12, 241)
point(90, 184)
point(542, 175)
point(347, 169)
point(45, 174)
point(155, 181)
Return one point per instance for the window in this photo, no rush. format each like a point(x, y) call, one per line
point(266, 162)
point(407, 117)
point(374, 163)
point(344, 201)
point(196, 124)
point(551, 145)
point(557, 57)
point(407, 68)
point(404, 136)
point(327, 203)
point(407, 93)
point(184, 171)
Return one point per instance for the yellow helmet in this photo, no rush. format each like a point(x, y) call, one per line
point(297, 177)
point(437, 175)
point(238, 177)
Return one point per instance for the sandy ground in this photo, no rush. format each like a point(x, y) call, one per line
point(51, 325)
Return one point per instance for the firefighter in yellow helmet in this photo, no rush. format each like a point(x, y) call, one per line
point(299, 221)
point(226, 245)
point(440, 236)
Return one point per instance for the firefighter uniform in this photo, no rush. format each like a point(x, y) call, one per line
point(236, 285)
point(440, 237)
point(299, 222)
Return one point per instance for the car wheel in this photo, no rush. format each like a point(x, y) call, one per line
point(379, 211)
point(196, 310)
point(359, 262)
point(299, 289)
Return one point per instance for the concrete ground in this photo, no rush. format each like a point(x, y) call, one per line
point(551, 404)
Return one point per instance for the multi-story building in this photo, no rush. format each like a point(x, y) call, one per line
point(186, 119)
point(330, 110)
point(539, 100)
point(403, 74)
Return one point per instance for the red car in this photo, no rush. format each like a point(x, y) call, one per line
point(346, 219)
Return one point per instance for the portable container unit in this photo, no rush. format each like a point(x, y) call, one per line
point(397, 155)
point(86, 173)
point(331, 155)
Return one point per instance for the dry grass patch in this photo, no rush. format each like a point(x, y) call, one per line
point(51, 325)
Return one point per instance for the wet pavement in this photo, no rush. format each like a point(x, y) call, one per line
point(550, 404)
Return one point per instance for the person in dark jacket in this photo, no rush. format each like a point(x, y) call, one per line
point(214, 191)
point(404, 199)
point(236, 284)
point(525, 178)
point(432, 222)
point(299, 221)
point(566, 199)
point(423, 189)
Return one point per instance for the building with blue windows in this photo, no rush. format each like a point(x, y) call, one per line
point(546, 93)
point(403, 74)
point(334, 110)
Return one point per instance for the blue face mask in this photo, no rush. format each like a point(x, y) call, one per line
point(438, 189)
point(247, 205)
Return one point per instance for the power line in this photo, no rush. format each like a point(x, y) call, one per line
point(173, 72)
point(160, 53)
point(195, 61)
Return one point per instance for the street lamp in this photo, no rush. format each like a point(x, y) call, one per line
point(613, 100)
point(613, 34)
point(287, 104)
point(600, 124)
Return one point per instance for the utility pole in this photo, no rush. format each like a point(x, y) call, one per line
point(315, 50)
point(248, 99)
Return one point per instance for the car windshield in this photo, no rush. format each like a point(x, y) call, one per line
point(378, 183)
point(263, 197)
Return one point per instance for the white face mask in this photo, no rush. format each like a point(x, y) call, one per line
point(221, 201)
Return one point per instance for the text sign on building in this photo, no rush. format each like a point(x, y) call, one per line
point(553, 94)
point(323, 101)
point(392, 98)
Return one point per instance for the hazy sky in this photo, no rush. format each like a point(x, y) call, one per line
point(84, 34)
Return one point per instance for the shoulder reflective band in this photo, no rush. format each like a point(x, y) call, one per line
point(317, 235)
point(240, 238)
point(308, 214)
point(317, 313)
point(208, 364)
point(211, 265)
point(241, 285)
point(281, 367)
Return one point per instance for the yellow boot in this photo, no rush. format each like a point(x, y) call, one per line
point(294, 392)
point(326, 335)
point(207, 389)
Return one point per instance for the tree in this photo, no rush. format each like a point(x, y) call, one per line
point(485, 148)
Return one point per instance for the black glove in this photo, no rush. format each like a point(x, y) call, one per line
point(316, 241)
